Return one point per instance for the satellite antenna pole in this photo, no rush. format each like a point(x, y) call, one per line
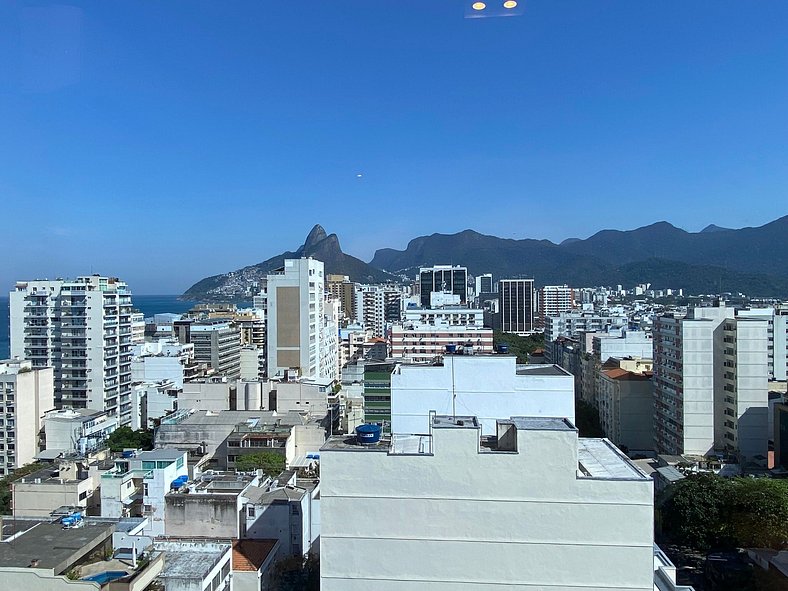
point(453, 392)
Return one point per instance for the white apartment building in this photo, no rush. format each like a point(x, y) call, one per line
point(376, 306)
point(351, 343)
point(625, 402)
point(78, 431)
point(25, 395)
point(555, 299)
point(711, 384)
point(137, 486)
point(252, 363)
point(137, 328)
point(218, 344)
point(484, 283)
point(446, 316)
point(571, 324)
point(298, 324)
point(623, 343)
point(163, 359)
point(777, 317)
point(535, 508)
point(486, 386)
point(82, 329)
point(152, 401)
point(421, 343)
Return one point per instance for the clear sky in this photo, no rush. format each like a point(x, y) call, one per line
point(165, 141)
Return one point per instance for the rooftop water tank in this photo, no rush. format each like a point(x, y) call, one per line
point(368, 434)
point(502, 348)
point(451, 349)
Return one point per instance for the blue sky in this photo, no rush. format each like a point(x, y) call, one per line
point(163, 142)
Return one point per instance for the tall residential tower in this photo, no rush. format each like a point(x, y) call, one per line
point(83, 330)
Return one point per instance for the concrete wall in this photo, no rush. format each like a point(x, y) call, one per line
point(40, 580)
point(202, 515)
point(487, 387)
point(460, 519)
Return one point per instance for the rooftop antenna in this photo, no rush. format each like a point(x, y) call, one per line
point(453, 392)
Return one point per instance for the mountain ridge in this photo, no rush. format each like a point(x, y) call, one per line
point(748, 259)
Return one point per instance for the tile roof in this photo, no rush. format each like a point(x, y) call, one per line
point(250, 555)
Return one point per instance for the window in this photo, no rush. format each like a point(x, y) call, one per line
point(250, 510)
point(148, 465)
point(179, 462)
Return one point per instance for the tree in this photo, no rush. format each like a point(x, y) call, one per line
point(269, 462)
point(296, 574)
point(520, 346)
point(757, 512)
point(587, 420)
point(691, 513)
point(127, 438)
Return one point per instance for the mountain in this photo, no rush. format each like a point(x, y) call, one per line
point(751, 260)
point(324, 247)
point(714, 228)
point(750, 250)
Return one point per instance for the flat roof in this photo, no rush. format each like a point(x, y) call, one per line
point(540, 424)
point(539, 369)
point(190, 560)
point(457, 421)
point(164, 453)
point(51, 545)
point(598, 458)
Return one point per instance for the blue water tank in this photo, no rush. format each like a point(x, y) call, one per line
point(177, 484)
point(128, 453)
point(183, 478)
point(368, 434)
point(503, 348)
point(451, 349)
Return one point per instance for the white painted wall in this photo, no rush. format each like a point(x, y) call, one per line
point(460, 519)
point(487, 387)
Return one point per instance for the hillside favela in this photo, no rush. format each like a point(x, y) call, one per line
point(437, 295)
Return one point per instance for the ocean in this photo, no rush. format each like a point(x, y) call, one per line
point(147, 304)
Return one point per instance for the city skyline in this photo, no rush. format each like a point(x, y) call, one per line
point(207, 139)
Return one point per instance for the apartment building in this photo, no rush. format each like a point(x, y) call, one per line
point(531, 507)
point(343, 290)
point(555, 299)
point(421, 343)
point(82, 329)
point(217, 343)
point(301, 331)
point(484, 283)
point(377, 306)
point(25, 395)
point(625, 402)
point(78, 431)
point(517, 305)
point(487, 386)
point(164, 359)
point(711, 384)
point(777, 336)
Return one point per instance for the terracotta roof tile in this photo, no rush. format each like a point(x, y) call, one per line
point(250, 555)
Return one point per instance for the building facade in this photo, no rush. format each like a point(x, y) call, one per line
point(218, 344)
point(83, 330)
point(443, 278)
point(25, 395)
point(517, 305)
point(533, 508)
point(711, 384)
